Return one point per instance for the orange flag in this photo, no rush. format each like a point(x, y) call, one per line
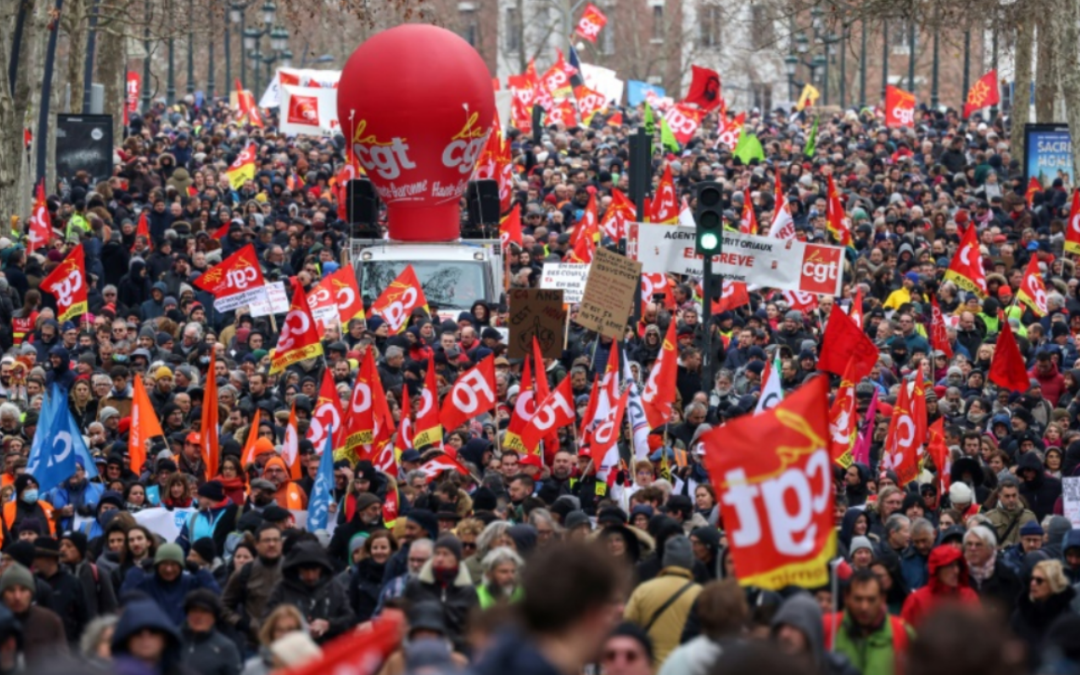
point(252, 436)
point(143, 230)
point(1033, 187)
point(290, 450)
point(144, 425)
point(208, 425)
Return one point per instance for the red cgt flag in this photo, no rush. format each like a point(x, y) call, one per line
point(983, 93)
point(327, 415)
point(704, 89)
point(360, 652)
point(734, 295)
point(40, 225)
point(1007, 367)
point(844, 419)
point(360, 415)
point(899, 107)
point(510, 228)
point(939, 334)
point(397, 302)
point(775, 472)
point(843, 340)
point(592, 22)
point(966, 269)
point(67, 283)
point(237, 280)
point(665, 206)
point(659, 393)
point(1032, 291)
point(903, 443)
point(299, 337)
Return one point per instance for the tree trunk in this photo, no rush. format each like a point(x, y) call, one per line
point(1065, 17)
point(1046, 70)
point(112, 57)
point(75, 25)
point(10, 137)
point(1021, 112)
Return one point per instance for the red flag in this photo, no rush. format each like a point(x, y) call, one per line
point(361, 652)
point(346, 293)
point(665, 206)
point(327, 414)
point(704, 89)
point(208, 422)
point(618, 214)
point(659, 393)
point(360, 415)
point(473, 393)
point(983, 93)
point(403, 439)
point(399, 299)
point(939, 335)
point(843, 419)
point(902, 441)
point(844, 340)
point(290, 449)
point(556, 410)
point(838, 223)
point(899, 107)
point(748, 221)
point(428, 430)
point(966, 269)
point(246, 103)
point(939, 452)
point(67, 283)
point(510, 228)
point(524, 407)
point(1007, 367)
point(589, 225)
point(856, 313)
point(440, 463)
point(683, 120)
point(40, 225)
point(656, 284)
point(589, 102)
point(299, 337)
point(237, 280)
point(592, 21)
point(800, 300)
point(729, 131)
point(1072, 232)
point(734, 295)
point(1032, 291)
point(1033, 187)
point(143, 230)
point(604, 439)
point(775, 473)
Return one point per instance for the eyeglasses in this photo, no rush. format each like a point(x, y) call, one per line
point(468, 545)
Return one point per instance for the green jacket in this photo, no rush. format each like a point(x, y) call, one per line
point(76, 226)
point(874, 653)
point(489, 600)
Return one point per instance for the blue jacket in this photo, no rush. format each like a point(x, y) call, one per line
point(168, 596)
point(140, 614)
point(87, 495)
point(915, 568)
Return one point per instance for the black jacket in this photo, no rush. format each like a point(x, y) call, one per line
point(1041, 492)
point(457, 598)
point(1031, 620)
point(1003, 588)
point(365, 584)
point(324, 600)
point(209, 653)
point(69, 602)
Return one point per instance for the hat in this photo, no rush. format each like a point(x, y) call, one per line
point(162, 371)
point(959, 493)
point(631, 630)
point(450, 543)
point(46, 547)
point(1031, 529)
point(678, 552)
point(108, 412)
point(17, 575)
point(212, 490)
point(206, 549)
point(411, 455)
point(169, 553)
point(427, 615)
point(203, 598)
point(31, 524)
point(263, 446)
point(425, 519)
point(262, 484)
point(860, 542)
point(365, 500)
point(78, 540)
point(275, 514)
point(576, 519)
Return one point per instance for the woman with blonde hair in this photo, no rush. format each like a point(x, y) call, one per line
point(1048, 597)
point(285, 619)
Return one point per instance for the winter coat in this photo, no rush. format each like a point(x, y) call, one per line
point(168, 595)
point(97, 587)
point(69, 602)
point(43, 634)
point(323, 601)
point(365, 584)
point(513, 653)
point(209, 653)
point(1042, 491)
point(1007, 524)
point(246, 594)
point(924, 601)
point(457, 599)
point(1002, 587)
point(803, 613)
point(134, 288)
point(137, 615)
point(651, 596)
point(83, 497)
point(1030, 620)
point(873, 653)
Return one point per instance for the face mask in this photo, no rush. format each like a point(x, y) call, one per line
point(30, 496)
point(204, 360)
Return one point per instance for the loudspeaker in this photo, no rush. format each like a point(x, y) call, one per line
point(362, 207)
point(640, 166)
point(482, 197)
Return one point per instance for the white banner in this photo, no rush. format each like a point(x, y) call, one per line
point(249, 297)
point(603, 80)
point(277, 301)
point(308, 111)
point(163, 522)
point(788, 265)
point(297, 77)
point(568, 277)
point(504, 99)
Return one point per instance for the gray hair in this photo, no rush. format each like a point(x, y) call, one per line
point(895, 522)
point(1008, 481)
point(536, 516)
point(423, 543)
point(984, 533)
point(695, 405)
point(492, 531)
point(394, 351)
point(499, 555)
point(920, 525)
point(94, 632)
point(10, 410)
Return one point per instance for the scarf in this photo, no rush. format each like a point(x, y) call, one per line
point(980, 573)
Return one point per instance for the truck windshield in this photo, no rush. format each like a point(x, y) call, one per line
point(457, 283)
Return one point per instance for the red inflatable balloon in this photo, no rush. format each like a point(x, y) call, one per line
point(416, 104)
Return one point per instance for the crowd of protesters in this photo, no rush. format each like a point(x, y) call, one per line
point(530, 564)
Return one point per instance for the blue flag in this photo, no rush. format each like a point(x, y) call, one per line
point(323, 491)
point(82, 454)
point(52, 454)
point(577, 79)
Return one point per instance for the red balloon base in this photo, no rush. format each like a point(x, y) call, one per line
point(428, 223)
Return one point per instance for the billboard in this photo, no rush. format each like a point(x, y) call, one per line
point(1048, 154)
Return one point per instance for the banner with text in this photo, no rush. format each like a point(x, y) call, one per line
point(567, 277)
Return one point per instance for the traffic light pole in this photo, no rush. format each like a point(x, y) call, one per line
point(640, 170)
point(709, 281)
point(709, 242)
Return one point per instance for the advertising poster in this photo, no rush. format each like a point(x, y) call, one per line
point(1048, 154)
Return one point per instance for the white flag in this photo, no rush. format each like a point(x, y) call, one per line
point(771, 391)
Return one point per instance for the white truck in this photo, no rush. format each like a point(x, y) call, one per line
point(454, 275)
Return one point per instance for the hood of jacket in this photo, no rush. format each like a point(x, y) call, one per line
point(803, 613)
point(1072, 540)
point(1030, 460)
point(943, 556)
point(141, 614)
point(307, 554)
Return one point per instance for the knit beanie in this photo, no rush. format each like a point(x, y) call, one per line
point(17, 575)
point(169, 553)
point(450, 543)
point(678, 552)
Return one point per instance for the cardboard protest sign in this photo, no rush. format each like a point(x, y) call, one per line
point(567, 277)
point(536, 312)
point(609, 293)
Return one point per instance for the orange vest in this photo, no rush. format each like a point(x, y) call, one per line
point(291, 496)
point(9, 518)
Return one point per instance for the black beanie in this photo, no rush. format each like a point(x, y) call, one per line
point(21, 481)
point(78, 540)
point(205, 548)
point(425, 519)
point(452, 544)
point(635, 632)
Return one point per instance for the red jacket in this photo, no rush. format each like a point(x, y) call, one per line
point(933, 595)
point(1051, 383)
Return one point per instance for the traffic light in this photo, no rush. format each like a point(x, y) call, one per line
point(709, 216)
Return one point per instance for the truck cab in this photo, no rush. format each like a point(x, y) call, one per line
point(453, 275)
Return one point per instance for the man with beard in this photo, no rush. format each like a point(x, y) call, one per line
point(500, 578)
point(307, 583)
point(558, 483)
point(363, 515)
point(261, 496)
point(1010, 515)
point(248, 590)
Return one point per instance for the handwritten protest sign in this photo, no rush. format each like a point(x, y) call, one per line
point(609, 293)
point(536, 312)
point(568, 277)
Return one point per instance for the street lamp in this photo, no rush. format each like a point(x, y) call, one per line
point(236, 16)
point(817, 16)
point(791, 64)
point(286, 59)
point(269, 10)
point(256, 59)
